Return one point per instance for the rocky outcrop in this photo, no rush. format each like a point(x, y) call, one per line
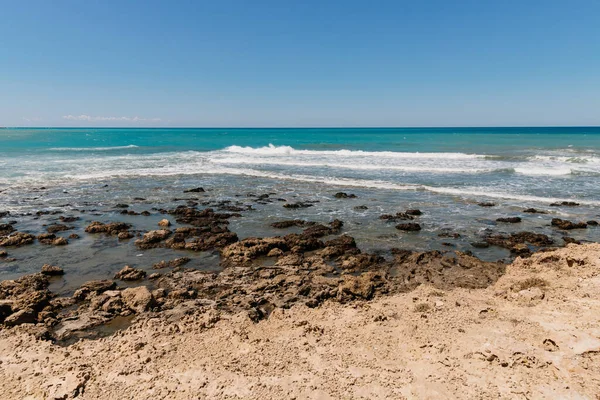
point(567, 225)
point(17, 239)
point(153, 239)
point(510, 220)
point(409, 227)
point(565, 204)
point(130, 274)
point(290, 223)
point(52, 270)
point(177, 262)
point(342, 195)
point(517, 242)
point(112, 228)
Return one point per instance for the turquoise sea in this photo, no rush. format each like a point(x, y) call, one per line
point(443, 171)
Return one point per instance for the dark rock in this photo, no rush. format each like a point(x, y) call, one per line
point(398, 216)
point(480, 245)
point(565, 203)
point(124, 235)
point(486, 204)
point(145, 213)
point(569, 240)
point(414, 211)
point(516, 242)
point(73, 236)
point(290, 223)
point(6, 229)
point(409, 226)
point(26, 316)
point(122, 205)
point(58, 228)
point(52, 270)
point(194, 190)
point(533, 211)
point(359, 208)
point(297, 205)
point(510, 220)
point(3, 254)
point(342, 195)
point(592, 223)
point(567, 225)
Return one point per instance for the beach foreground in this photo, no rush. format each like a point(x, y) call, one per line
point(533, 333)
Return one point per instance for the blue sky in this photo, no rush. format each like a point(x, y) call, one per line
point(299, 63)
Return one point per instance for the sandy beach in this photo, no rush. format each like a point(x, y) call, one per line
point(531, 334)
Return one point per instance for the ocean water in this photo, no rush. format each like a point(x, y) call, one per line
point(443, 171)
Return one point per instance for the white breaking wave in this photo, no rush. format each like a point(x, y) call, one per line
point(131, 146)
point(272, 150)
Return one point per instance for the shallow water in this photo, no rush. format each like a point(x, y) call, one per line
point(443, 172)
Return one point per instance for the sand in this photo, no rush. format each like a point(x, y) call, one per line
point(533, 334)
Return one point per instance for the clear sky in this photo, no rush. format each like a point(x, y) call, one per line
point(299, 63)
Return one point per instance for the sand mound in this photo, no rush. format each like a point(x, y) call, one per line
point(533, 334)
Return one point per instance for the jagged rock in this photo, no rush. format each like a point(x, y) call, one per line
point(244, 251)
point(194, 190)
point(396, 217)
point(130, 274)
point(275, 252)
point(362, 286)
point(17, 239)
point(516, 241)
point(138, 299)
point(112, 228)
point(96, 286)
point(567, 225)
point(153, 238)
point(52, 270)
point(26, 316)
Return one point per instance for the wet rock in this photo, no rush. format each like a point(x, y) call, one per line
point(318, 230)
point(360, 208)
point(152, 239)
point(26, 316)
point(534, 211)
point(46, 238)
point(138, 299)
point(145, 213)
point(480, 245)
point(567, 225)
point(68, 219)
point(60, 241)
point(194, 190)
point(565, 204)
point(130, 274)
point(17, 239)
point(592, 223)
point(409, 227)
point(342, 195)
point(58, 228)
point(570, 240)
point(210, 240)
point(121, 205)
point(164, 223)
point(414, 211)
point(112, 228)
point(177, 262)
point(486, 204)
point(6, 229)
point(516, 242)
point(510, 220)
point(448, 234)
point(290, 223)
point(73, 236)
point(206, 218)
point(396, 217)
point(297, 205)
point(52, 270)
point(125, 235)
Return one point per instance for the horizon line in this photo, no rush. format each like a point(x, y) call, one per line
point(302, 127)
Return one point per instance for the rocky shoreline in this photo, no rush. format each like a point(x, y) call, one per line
point(256, 276)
